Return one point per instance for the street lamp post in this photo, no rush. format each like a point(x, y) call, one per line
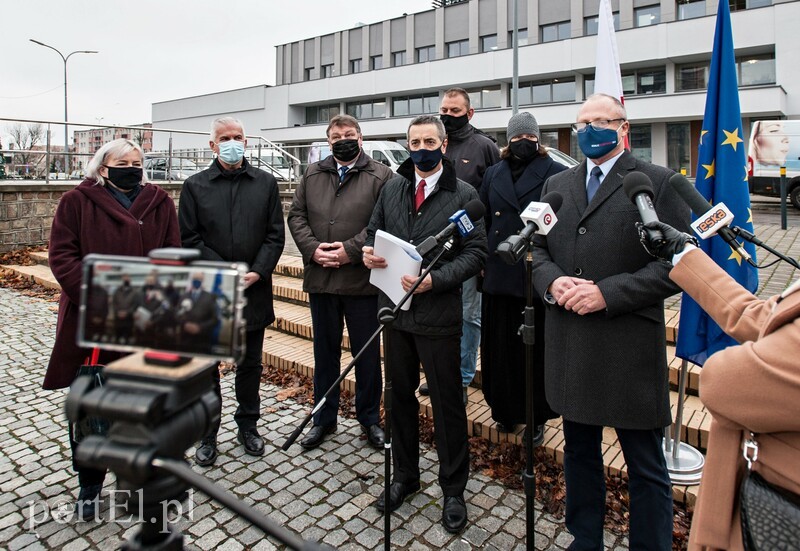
point(66, 118)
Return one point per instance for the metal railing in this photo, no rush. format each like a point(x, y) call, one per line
point(161, 165)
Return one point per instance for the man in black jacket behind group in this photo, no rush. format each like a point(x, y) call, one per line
point(412, 206)
point(232, 211)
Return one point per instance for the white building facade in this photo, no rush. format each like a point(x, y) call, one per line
point(388, 72)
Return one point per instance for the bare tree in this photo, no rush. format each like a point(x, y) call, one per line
point(25, 138)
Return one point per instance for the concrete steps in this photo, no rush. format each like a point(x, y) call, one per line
point(288, 345)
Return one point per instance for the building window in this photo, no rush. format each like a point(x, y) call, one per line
point(753, 70)
point(689, 9)
point(326, 71)
point(321, 113)
point(679, 144)
point(522, 38)
point(635, 83)
point(693, 76)
point(546, 91)
point(590, 24)
point(641, 142)
point(489, 43)
point(647, 15)
point(427, 53)
point(556, 31)
point(376, 62)
point(484, 98)
point(458, 48)
point(398, 59)
point(367, 109)
point(355, 66)
point(737, 5)
point(307, 74)
point(415, 105)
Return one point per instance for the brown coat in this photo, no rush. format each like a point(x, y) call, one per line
point(751, 387)
point(325, 212)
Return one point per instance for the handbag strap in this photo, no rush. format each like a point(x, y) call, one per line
point(750, 450)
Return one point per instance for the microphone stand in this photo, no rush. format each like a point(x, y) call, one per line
point(386, 317)
point(748, 236)
point(528, 332)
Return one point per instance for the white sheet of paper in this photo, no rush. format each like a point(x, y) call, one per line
point(401, 259)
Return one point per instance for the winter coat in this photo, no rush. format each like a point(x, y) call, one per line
point(323, 211)
point(610, 367)
point(752, 387)
point(89, 220)
point(236, 217)
point(505, 200)
point(472, 153)
point(438, 311)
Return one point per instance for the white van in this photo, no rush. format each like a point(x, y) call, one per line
point(392, 154)
point(774, 144)
point(272, 161)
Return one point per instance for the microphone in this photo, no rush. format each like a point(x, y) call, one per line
point(639, 189)
point(539, 217)
point(710, 220)
point(461, 220)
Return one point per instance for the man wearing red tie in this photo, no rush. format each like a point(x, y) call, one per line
point(414, 205)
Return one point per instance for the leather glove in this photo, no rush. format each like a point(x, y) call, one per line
point(672, 242)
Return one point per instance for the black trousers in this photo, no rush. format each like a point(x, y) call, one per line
point(86, 475)
point(247, 383)
point(648, 485)
point(329, 312)
point(441, 361)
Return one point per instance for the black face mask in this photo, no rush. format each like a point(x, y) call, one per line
point(524, 149)
point(345, 150)
point(453, 124)
point(125, 177)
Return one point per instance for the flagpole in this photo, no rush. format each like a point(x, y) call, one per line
point(684, 462)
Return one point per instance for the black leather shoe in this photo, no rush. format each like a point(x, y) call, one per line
point(454, 514)
point(316, 435)
point(398, 492)
point(206, 453)
point(252, 442)
point(375, 435)
point(423, 390)
point(88, 502)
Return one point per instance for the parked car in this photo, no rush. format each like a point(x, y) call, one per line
point(392, 154)
point(179, 169)
point(562, 158)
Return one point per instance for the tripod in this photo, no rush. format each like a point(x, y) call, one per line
point(158, 413)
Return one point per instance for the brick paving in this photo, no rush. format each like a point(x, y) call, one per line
point(325, 494)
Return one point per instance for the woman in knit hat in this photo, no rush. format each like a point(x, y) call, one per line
point(507, 188)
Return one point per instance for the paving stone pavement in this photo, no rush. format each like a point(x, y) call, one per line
point(325, 494)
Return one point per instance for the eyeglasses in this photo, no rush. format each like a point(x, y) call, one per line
point(600, 124)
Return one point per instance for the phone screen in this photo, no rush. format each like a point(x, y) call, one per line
point(130, 304)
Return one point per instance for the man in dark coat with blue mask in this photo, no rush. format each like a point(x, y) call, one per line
point(232, 212)
point(605, 352)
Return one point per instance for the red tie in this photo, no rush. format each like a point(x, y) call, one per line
point(420, 196)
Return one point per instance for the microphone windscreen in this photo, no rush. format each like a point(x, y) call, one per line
point(689, 194)
point(635, 183)
point(554, 199)
point(475, 209)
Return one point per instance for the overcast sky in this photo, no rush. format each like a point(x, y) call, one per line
point(154, 50)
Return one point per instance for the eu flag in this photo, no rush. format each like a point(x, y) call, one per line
point(721, 178)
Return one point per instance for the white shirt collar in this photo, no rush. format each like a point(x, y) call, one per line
point(430, 181)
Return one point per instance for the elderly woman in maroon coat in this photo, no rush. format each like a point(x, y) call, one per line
point(113, 211)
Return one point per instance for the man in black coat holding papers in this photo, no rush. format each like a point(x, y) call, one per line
point(412, 206)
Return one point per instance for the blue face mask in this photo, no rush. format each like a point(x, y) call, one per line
point(196, 283)
point(426, 159)
point(231, 151)
point(597, 143)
